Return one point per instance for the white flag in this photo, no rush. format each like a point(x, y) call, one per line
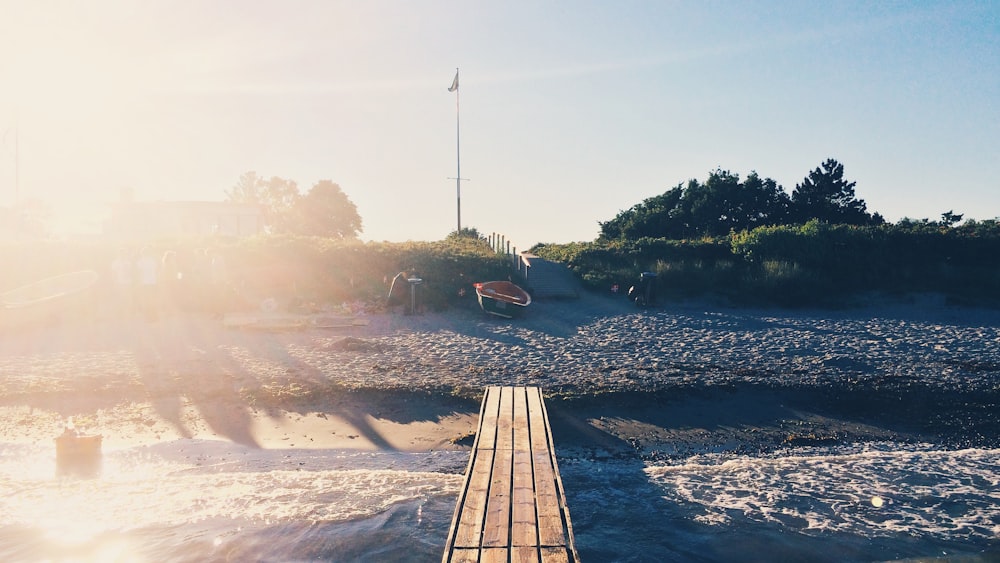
point(454, 83)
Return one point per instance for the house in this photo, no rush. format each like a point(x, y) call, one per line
point(157, 219)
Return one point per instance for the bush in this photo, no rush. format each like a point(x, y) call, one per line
point(795, 265)
point(291, 269)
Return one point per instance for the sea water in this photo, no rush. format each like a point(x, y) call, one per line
point(204, 501)
point(875, 502)
point(209, 501)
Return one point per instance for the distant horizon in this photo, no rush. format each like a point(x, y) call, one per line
point(562, 127)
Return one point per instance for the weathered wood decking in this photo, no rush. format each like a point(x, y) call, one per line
point(512, 507)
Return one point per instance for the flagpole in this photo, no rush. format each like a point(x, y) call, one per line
point(17, 163)
point(458, 158)
point(458, 153)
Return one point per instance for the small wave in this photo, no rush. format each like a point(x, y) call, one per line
point(871, 491)
point(137, 489)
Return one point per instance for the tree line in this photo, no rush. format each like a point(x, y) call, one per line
point(749, 240)
point(724, 203)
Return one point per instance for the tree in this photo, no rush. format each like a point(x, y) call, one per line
point(825, 195)
point(650, 218)
point(465, 233)
point(765, 202)
point(276, 198)
point(247, 189)
point(280, 197)
point(950, 219)
point(721, 204)
point(326, 211)
point(724, 203)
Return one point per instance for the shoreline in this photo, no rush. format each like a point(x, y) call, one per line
point(659, 383)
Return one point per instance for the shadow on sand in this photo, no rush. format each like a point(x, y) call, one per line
point(214, 379)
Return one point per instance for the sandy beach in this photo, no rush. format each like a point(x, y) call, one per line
point(686, 431)
point(658, 382)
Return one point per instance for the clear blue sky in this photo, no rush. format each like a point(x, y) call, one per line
point(570, 110)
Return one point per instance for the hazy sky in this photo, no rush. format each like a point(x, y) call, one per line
point(570, 110)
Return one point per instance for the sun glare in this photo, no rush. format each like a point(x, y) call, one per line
point(76, 518)
point(67, 513)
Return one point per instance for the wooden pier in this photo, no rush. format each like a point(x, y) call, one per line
point(512, 506)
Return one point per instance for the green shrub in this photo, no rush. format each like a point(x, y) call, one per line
point(785, 283)
point(814, 263)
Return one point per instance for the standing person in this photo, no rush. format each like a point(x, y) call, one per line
point(219, 280)
point(199, 281)
point(170, 276)
point(147, 271)
point(123, 278)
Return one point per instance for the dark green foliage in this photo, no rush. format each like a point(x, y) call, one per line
point(812, 264)
point(825, 195)
point(684, 267)
point(906, 257)
point(725, 204)
point(651, 218)
point(819, 246)
point(721, 205)
point(950, 219)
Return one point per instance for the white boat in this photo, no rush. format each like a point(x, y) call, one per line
point(51, 298)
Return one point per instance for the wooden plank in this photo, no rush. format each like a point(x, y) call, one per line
point(567, 522)
point(551, 531)
point(473, 509)
point(546, 492)
point(523, 525)
point(493, 555)
point(537, 421)
point(524, 529)
point(462, 555)
point(496, 530)
point(550, 509)
point(471, 505)
point(556, 555)
point(505, 420)
point(525, 555)
point(522, 440)
point(486, 436)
